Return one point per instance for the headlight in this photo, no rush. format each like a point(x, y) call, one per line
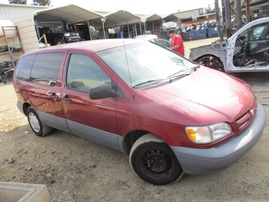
point(67, 34)
point(207, 134)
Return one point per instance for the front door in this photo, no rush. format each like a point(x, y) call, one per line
point(91, 119)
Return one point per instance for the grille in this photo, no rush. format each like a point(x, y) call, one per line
point(246, 119)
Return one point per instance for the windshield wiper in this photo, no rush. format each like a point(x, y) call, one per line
point(184, 72)
point(148, 82)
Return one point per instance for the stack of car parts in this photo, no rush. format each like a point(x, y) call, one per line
point(6, 71)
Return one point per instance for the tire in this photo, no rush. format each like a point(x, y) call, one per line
point(154, 161)
point(211, 61)
point(37, 126)
point(59, 42)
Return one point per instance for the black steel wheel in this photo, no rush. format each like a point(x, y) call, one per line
point(154, 161)
point(37, 126)
point(210, 61)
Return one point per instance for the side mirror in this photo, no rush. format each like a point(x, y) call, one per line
point(101, 91)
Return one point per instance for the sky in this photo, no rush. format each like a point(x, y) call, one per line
point(135, 6)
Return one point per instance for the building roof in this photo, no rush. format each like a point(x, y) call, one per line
point(9, 11)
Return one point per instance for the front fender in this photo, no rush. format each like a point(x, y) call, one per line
point(217, 49)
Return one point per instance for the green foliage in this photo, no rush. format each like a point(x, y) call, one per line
point(42, 2)
point(17, 1)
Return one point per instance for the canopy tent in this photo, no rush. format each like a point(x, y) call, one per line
point(170, 18)
point(71, 13)
point(154, 17)
point(115, 19)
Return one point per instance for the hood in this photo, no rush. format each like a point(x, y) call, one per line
point(73, 33)
point(205, 95)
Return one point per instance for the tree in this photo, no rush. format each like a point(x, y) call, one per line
point(42, 2)
point(17, 1)
point(210, 9)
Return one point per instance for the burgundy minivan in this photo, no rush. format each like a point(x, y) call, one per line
point(170, 115)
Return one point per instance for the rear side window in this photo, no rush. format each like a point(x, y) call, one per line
point(23, 70)
point(46, 68)
point(41, 68)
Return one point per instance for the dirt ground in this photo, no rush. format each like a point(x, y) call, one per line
point(75, 169)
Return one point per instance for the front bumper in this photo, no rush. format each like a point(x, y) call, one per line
point(72, 39)
point(208, 161)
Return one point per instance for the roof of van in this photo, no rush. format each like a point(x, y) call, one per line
point(93, 46)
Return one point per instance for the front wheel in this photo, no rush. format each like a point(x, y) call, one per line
point(37, 126)
point(154, 161)
point(59, 42)
point(211, 61)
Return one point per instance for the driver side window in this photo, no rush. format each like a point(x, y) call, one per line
point(84, 73)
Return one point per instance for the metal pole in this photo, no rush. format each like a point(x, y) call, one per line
point(178, 19)
point(103, 20)
point(238, 14)
point(219, 28)
point(103, 24)
point(128, 31)
point(88, 25)
point(140, 27)
point(227, 13)
point(145, 29)
point(247, 11)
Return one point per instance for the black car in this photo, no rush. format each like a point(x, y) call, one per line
point(55, 38)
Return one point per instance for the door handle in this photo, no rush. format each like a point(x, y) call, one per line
point(54, 96)
point(66, 98)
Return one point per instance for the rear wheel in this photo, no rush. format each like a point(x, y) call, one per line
point(154, 161)
point(211, 61)
point(37, 126)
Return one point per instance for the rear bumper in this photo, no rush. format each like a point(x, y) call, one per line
point(213, 160)
point(20, 107)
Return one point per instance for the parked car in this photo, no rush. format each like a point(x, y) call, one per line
point(57, 32)
point(170, 115)
point(60, 37)
point(154, 38)
point(168, 25)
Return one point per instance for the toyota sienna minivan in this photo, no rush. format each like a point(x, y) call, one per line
point(169, 115)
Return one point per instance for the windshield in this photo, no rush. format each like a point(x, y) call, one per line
point(143, 62)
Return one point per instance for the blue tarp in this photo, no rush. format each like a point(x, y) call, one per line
point(198, 34)
point(212, 32)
